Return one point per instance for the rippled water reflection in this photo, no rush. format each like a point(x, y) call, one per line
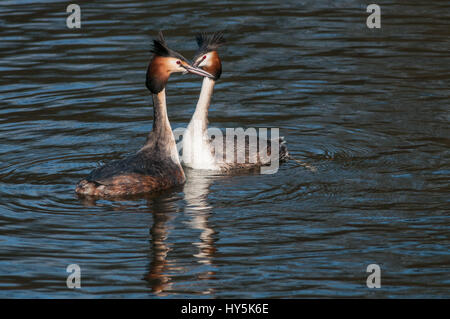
point(368, 108)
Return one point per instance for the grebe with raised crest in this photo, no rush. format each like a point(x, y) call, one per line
point(156, 166)
point(198, 150)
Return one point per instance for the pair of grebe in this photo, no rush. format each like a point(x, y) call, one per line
point(156, 166)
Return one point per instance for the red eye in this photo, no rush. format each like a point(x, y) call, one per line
point(178, 62)
point(204, 57)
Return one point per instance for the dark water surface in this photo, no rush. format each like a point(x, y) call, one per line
point(368, 108)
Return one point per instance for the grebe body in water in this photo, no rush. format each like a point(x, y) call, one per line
point(156, 165)
point(198, 150)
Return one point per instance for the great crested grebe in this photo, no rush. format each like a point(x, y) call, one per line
point(198, 151)
point(156, 165)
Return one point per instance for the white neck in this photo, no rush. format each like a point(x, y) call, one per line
point(201, 111)
point(196, 144)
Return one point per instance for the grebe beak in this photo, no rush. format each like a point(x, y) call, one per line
point(198, 71)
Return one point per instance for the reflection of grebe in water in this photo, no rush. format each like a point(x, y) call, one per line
point(156, 165)
point(196, 192)
point(163, 266)
point(198, 150)
point(158, 277)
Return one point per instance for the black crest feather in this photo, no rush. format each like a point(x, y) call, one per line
point(209, 42)
point(160, 48)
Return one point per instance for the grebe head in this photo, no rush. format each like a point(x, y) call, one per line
point(165, 61)
point(207, 57)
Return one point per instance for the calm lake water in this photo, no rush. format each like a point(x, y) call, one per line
point(368, 108)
